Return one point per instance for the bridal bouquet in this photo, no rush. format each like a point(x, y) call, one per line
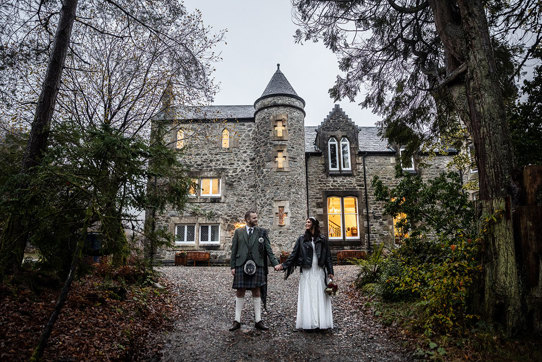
point(331, 289)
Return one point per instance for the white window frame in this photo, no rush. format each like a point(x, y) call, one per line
point(472, 160)
point(208, 242)
point(343, 216)
point(333, 141)
point(345, 140)
point(411, 168)
point(185, 242)
point(213, 193)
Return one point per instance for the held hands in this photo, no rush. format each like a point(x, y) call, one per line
point(278, 267)
point(233, 272)
point(331, 276)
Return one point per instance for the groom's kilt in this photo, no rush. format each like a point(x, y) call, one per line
point(243, 281)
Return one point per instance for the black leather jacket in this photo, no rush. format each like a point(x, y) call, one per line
point(302, 254)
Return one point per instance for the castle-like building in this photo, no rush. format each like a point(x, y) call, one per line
point(263, 157)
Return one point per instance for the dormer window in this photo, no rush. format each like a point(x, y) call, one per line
point(340, 159)
point(406, 166)
point(333, 152)
point(345, 154)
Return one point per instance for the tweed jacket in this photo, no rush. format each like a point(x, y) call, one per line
point(241, 244)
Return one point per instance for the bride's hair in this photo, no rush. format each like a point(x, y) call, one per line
point(315, 227)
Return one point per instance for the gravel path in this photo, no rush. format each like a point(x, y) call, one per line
point(207, 302)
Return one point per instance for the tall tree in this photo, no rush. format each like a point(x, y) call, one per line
point(122, 55)
point(428, 64)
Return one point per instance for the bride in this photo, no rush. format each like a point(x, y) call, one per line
point(311, 252)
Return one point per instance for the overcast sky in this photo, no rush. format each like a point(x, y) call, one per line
point(260, 35)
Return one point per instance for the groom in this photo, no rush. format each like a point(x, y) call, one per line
point(250, 243)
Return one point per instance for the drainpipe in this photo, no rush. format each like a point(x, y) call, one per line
point(307, 182)
point(366, 205)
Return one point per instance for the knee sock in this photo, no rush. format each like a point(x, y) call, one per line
point(239, 303)
point(257, 309)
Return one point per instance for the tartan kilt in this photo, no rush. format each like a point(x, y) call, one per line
point(243, 281)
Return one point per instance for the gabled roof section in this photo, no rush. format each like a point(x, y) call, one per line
point(238, 112)
point(279, 86)
point(336, 116)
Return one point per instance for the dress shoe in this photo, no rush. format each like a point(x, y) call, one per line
point(236, 325)
point(261, 326)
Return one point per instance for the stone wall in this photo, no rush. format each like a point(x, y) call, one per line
point(281, 187)
point(235, 166)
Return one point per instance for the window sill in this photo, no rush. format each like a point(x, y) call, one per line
point(341, 173)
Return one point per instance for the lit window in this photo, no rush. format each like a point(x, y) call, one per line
point(281, 159)
point(406, 167)
point(210, 187)
point(225, 138)
point(398, 231)
point(193, 187)
point(345, 154)
point(333, 151)
point(185, 234)
point(342, 217)
point(209, 234)
point(279, 128)
point(180, 138)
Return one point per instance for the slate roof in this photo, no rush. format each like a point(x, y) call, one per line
point(213, 112)
point(369, 140)
point(279, 85)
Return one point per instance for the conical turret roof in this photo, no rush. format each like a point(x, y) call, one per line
point(279, 86)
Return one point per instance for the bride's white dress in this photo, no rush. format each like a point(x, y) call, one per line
point(313, 304)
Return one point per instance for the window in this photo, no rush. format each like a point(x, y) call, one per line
point(209, 234)
point(281, 159)
point(193, 187)
point(210, 187)
point(406, 167)
point(180, 139)
point(279, 128)
point(398, 229)
point(185, 234)
point(225, 138)
point(333, 151)
point(345, 153)
point(342, 217)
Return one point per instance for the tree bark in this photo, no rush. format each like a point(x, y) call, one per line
point(16, 233)
point(479, 100)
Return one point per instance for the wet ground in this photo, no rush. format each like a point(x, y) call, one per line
point(208, 306)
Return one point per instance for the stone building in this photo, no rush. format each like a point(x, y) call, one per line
point(263, 157)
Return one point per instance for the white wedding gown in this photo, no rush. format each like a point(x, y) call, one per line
point(313, 304)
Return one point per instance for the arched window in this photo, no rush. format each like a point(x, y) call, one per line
point(225, 138)
point(345, 154)
point(180, 139)
point(333, 153)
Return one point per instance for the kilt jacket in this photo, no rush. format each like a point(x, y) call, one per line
point(242, 244)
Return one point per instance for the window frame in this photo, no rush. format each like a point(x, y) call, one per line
point(330, 141)
point(342, 213)
point(212, 194)
point(412, 167)
point(208, 225)
point(345, 140)
point(184, 242)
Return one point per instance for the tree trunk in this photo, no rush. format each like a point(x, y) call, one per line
point(16, 233)
point(485, 119)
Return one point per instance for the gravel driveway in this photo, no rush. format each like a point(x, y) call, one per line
point(207, 301)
